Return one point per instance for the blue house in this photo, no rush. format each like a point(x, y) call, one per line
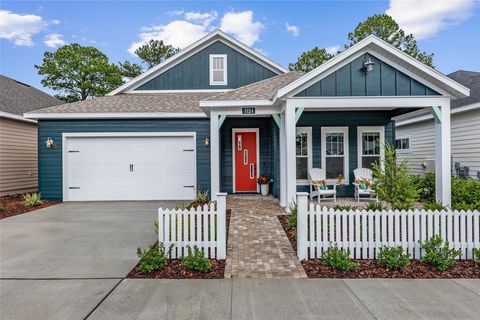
point(218, 114)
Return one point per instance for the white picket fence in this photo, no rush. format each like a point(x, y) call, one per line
point(204, 227)
point(363, 232)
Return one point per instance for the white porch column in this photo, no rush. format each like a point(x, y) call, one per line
point(443, 165)
point(283, 175)
point(214, 156)
point(290, 163)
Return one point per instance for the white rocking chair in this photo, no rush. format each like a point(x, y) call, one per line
point(363, 174)
point(315, 176)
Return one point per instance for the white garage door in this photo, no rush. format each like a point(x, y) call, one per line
point(129, 167)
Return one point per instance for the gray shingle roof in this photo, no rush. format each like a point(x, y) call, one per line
point(17, 97)
point(261, 90)
point(136, 102)
point(471, 80)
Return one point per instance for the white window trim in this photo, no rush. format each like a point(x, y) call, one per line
point(346, 168)
point(405, 151)
point(360, 131)
point(308, 131)
point(225, 66)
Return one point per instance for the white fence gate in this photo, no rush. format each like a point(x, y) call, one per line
point(204, 227)
point(363, 232)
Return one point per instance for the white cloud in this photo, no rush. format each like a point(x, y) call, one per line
point(294, 30)
point(55, 21)
point(242, 26)
point(332, 49)
point(178, 33)
point(194, 25)
point(175, 13)
point(20, 28)
point(424, 18)
point(205, 18)
point(53, 40)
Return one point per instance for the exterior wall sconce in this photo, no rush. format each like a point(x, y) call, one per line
point(50, 143)
point(206, 141)
point(368, 65)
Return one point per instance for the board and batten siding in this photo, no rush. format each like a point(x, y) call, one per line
point(194, 72)
point(18, 156)
point(352, 120)
point(465, 143)
point(352, 80)
point(50, 159)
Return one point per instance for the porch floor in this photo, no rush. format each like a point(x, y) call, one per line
point(257, 244)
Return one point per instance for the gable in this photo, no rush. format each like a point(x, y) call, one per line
point(193, 73)
point(352, 80)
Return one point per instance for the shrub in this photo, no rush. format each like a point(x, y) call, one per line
point(476, 255)
point(374, 206)
point(393, 183)
point(196, 260)
point(426, 186)
point(202, 197)
point(292, 218)
point(438, 253)
point(341, 207)
point(153, 259)
point(393, 258)
point(465, 194)
point(338, 259)
point(32, 199)
point(433, 206)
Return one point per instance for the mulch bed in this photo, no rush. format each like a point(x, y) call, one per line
point(372, 269)
point(175, 269)
point(13, 205)
point(466, 269)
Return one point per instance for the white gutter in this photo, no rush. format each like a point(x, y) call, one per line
point(116, 115)
point(15, 117)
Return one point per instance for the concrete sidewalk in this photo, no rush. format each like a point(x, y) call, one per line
point(242, 299)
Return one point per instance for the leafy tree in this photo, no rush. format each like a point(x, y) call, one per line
point(393, 183)
point(387, 29)
point(129, 70)
point(78, 72)
point(155, 52)
point(309, 60)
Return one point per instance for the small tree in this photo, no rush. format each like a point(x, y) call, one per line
point(129, 70)
point(393, 183)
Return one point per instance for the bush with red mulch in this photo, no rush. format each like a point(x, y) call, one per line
point(372, 269)
point(14, 205)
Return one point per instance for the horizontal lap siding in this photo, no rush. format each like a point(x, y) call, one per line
point(18, 156)
point(465, 142)
point(352, 120)
point(269, 150)
point(194, 72)
point(50, 159)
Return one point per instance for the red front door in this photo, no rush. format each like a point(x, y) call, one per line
point(245, 161)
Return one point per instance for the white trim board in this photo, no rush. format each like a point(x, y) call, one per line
point(191, 50)
point(17, 117)
point(67, 135)
point(115, 115)
point(257, 132)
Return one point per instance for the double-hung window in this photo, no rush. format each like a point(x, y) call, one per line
point(402, 144)
point(303, 143)
point(335, 153)
point(218, 69)
point(370, 146)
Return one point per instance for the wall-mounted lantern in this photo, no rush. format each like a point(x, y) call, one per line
point(50, 143)
point(368, 65)
point(206, 141)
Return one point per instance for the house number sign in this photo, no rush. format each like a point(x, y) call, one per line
point(248, 110)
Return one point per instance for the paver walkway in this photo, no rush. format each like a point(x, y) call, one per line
point(257, 244)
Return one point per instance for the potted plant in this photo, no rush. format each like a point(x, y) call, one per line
point(264, 183)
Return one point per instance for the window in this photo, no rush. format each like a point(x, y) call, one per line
point(218, 69)
point(303, 144)
point(403, 145)
point(335, 152)
point(370, 146)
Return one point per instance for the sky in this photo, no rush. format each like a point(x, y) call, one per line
point(282, 30)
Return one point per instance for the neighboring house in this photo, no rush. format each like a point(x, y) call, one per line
point(18, 135)
point(218, 114)
point(415, 135)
